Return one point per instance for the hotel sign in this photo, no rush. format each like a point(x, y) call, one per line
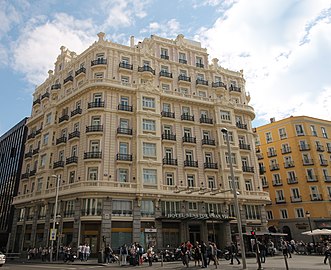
point(197, 216)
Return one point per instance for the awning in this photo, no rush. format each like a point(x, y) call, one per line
point(268, 233)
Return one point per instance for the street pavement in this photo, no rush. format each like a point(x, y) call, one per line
point(297, 262)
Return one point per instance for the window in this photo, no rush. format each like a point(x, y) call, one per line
point(184, 90)
point(280, 195)
point(147, 208)
point(225, 116)
point(168, 207)
point(282, 133)
point(98, 75)
point(125, 60)
point(233, 158)
point(125, 80)
point(299, 130)
point(182, 56)
point(72, 177)
point(122, 175)
point(164, 69)
point(170, 179)
point(236, 180)
point(190, 181)
point(211, 182)
point(149, 176)
point(123, 147)
point(165, 87)
point(69, 209)
point(183, 72)
point(43, 161)
point(92, 173)
point(148, 125)
point(268, 137)
point(252, 212)
point(248, 184)
point(149, 149)
point(48, 118)
point(148, 102)
point(218, 79)
point(39, 184)
point(270, 215)
point(299, 213)
point(329, 192)
point(45, 139)
point(94, 146)
point(164, 52)
point(283, 213)
point(124, 101)
point(295, 193)
point(200, 77)
point(314, 193)
point(192, 206)
point(74, 151)
point(97, 97)
point(91, 207)
point(76, 126)
point(122, 207)
point(166, 107)
point(230, 135)
point(324, 134)
point(313, 130)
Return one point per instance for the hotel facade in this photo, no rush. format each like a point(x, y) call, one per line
point(294, 159)
point(133, 133)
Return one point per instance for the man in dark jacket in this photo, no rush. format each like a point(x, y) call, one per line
point(234, 252)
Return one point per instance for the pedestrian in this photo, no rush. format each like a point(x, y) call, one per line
point(234, 253)
point(149, 256)
point(197, 253)
point(263, 251)
point(123, 254)
point(327, 253)
point(204, 254)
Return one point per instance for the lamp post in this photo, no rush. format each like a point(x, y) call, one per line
point(53, 232)
point(212, 222)
point(311, 229)
point(235, 197)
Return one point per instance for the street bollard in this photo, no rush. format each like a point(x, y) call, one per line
point(286, 264)
point(161, 260)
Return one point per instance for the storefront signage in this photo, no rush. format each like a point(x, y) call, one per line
point(197, 216)
point(150, 230)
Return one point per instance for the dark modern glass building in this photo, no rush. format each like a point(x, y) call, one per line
point(11, 157)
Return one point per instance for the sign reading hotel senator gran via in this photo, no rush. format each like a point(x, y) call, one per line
point(197, 216)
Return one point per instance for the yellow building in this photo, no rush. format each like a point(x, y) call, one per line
point(294, 160)
point(134, 135)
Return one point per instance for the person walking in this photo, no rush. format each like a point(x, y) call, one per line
point(149, 256)
point(204, 254)
point(234, 253)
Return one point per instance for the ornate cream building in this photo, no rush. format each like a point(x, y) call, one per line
point(134, 135)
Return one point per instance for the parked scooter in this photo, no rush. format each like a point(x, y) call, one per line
point(69, 257)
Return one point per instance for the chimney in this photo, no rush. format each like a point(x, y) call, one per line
point(272, 120)
point(131, 41)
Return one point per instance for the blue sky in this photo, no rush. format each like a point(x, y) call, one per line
point(283, 46)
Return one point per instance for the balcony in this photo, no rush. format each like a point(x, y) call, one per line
point(146, 69)
point(74, 134)
point(165, 74)
point(208, 142)
point(80, 71)
point(311, 178)
point(96, 104)
point(35, 151)
point(25, 175)
point(308, 161)
point(292, 180)
point(169, 161)
point(289, 164)
point(63, 118)
point(187, 117)
point(62, 139)
point(272, 153)
point(45, 95)
point(37, 101)
point(199, 65)
point(218, 84)
point(123, 107)
point(32, 135)
point(274, 167)
point(296, 199)
point(56, 86)
point(280, 200)
point(164, 56)
point(98, 62)
point(244, 146)
point(124, 157)
point(190, 163)
point(233, 88)
point(206, 120)
point(316, 197)
point(68, 79)
point(33, 172)
point(125, 131)
point(76, 112)
point(319, 148)
point(184, 78)
point(189, 139)
point(58, 164)
point(126, 66)
point(248, 169)
point(201, 82)
point(262, 169)
point(71, 160)
point(168, 114)
point(304, 147)
point(94, 128)
point(93, 155)
point(323, 162)
point(169, 137)
point(182, 61)
point(241, 126)
point(260, 156)
point(210, 165)
point(286, 150)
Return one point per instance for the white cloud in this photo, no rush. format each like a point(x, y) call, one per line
point(166, 29)
point(38, 46)
point(282, 47)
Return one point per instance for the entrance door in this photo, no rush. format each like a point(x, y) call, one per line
point(92, 241)
point(194, 233)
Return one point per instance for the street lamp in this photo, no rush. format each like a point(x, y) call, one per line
point(235, 197)
point(311, 229)
point(53, 231)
